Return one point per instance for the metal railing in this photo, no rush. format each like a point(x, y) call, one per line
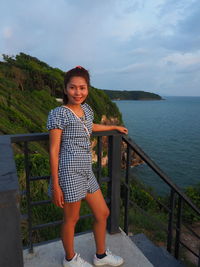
point(114, 147)
point(113, 180)
point(174, 209)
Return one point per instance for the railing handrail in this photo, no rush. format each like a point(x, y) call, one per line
point(42, 136)
point(162, 175)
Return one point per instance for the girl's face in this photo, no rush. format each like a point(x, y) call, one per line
point(76, 90)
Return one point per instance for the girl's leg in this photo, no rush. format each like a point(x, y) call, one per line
point(71, 216)
point(101, 212)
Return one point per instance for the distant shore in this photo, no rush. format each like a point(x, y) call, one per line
point(132, 95)
point(142, 99)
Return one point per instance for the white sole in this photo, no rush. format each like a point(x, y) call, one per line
point(104, 264)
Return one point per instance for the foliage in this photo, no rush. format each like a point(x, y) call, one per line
point(102, 105)
point(193, 192)
point(142, 198)
point(149, 224)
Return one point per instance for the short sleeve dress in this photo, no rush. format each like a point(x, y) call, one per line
point(75, 174)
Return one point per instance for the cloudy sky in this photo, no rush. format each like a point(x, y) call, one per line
point(150, 45)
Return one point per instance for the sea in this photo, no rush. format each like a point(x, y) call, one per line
point(168, 131)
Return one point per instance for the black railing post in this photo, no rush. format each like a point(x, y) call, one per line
point(170, 222)
point(178, 227)
point(127, 191)
point(28, 195)
point(10, 234)
point(114, 169)
point(99, 158)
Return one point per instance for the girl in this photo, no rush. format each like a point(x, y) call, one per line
point(72, 178)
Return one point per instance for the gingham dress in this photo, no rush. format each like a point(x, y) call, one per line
point(75, 174)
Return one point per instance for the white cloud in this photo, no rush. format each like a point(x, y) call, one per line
point(183, 62)
point(133, 44)
point(183, 59)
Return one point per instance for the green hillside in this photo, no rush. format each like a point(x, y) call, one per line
point(28, 90)
point(131, 95)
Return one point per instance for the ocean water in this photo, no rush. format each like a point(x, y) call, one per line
point(169, 132)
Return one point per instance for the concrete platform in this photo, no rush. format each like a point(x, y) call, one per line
point(51, 254)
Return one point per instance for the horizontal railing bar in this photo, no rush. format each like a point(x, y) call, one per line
point(157, 170)
point(106, 133)
point(86, 216)
point(42, 202)
point(40, 226)
point(184, 245)
point(15, 138)
point(105, 179)
point(192, 231)
point(29, 137)
point(36, 178)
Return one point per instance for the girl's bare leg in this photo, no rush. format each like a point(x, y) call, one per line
point(101, 212)
point(71, 216)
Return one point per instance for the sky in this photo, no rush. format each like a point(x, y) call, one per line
point(148, 45)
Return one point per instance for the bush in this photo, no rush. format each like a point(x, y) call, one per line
point(193, 192)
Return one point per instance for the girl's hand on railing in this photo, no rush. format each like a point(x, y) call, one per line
point(58, 198)
point(122, 129)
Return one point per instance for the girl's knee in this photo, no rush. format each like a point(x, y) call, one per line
point(103, 215)
point(107, 212)
point(71, 220)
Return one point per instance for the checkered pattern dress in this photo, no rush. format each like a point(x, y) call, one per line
point(76, 177)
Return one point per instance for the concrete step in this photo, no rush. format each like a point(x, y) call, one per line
point(51, 254)
point(158, 256)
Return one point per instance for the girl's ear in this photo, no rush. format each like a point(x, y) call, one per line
point(65, 91)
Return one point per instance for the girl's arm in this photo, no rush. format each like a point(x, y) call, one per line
point(54, 141)
point(101, 127)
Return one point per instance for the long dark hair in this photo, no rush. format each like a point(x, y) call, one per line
point(75, 72)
